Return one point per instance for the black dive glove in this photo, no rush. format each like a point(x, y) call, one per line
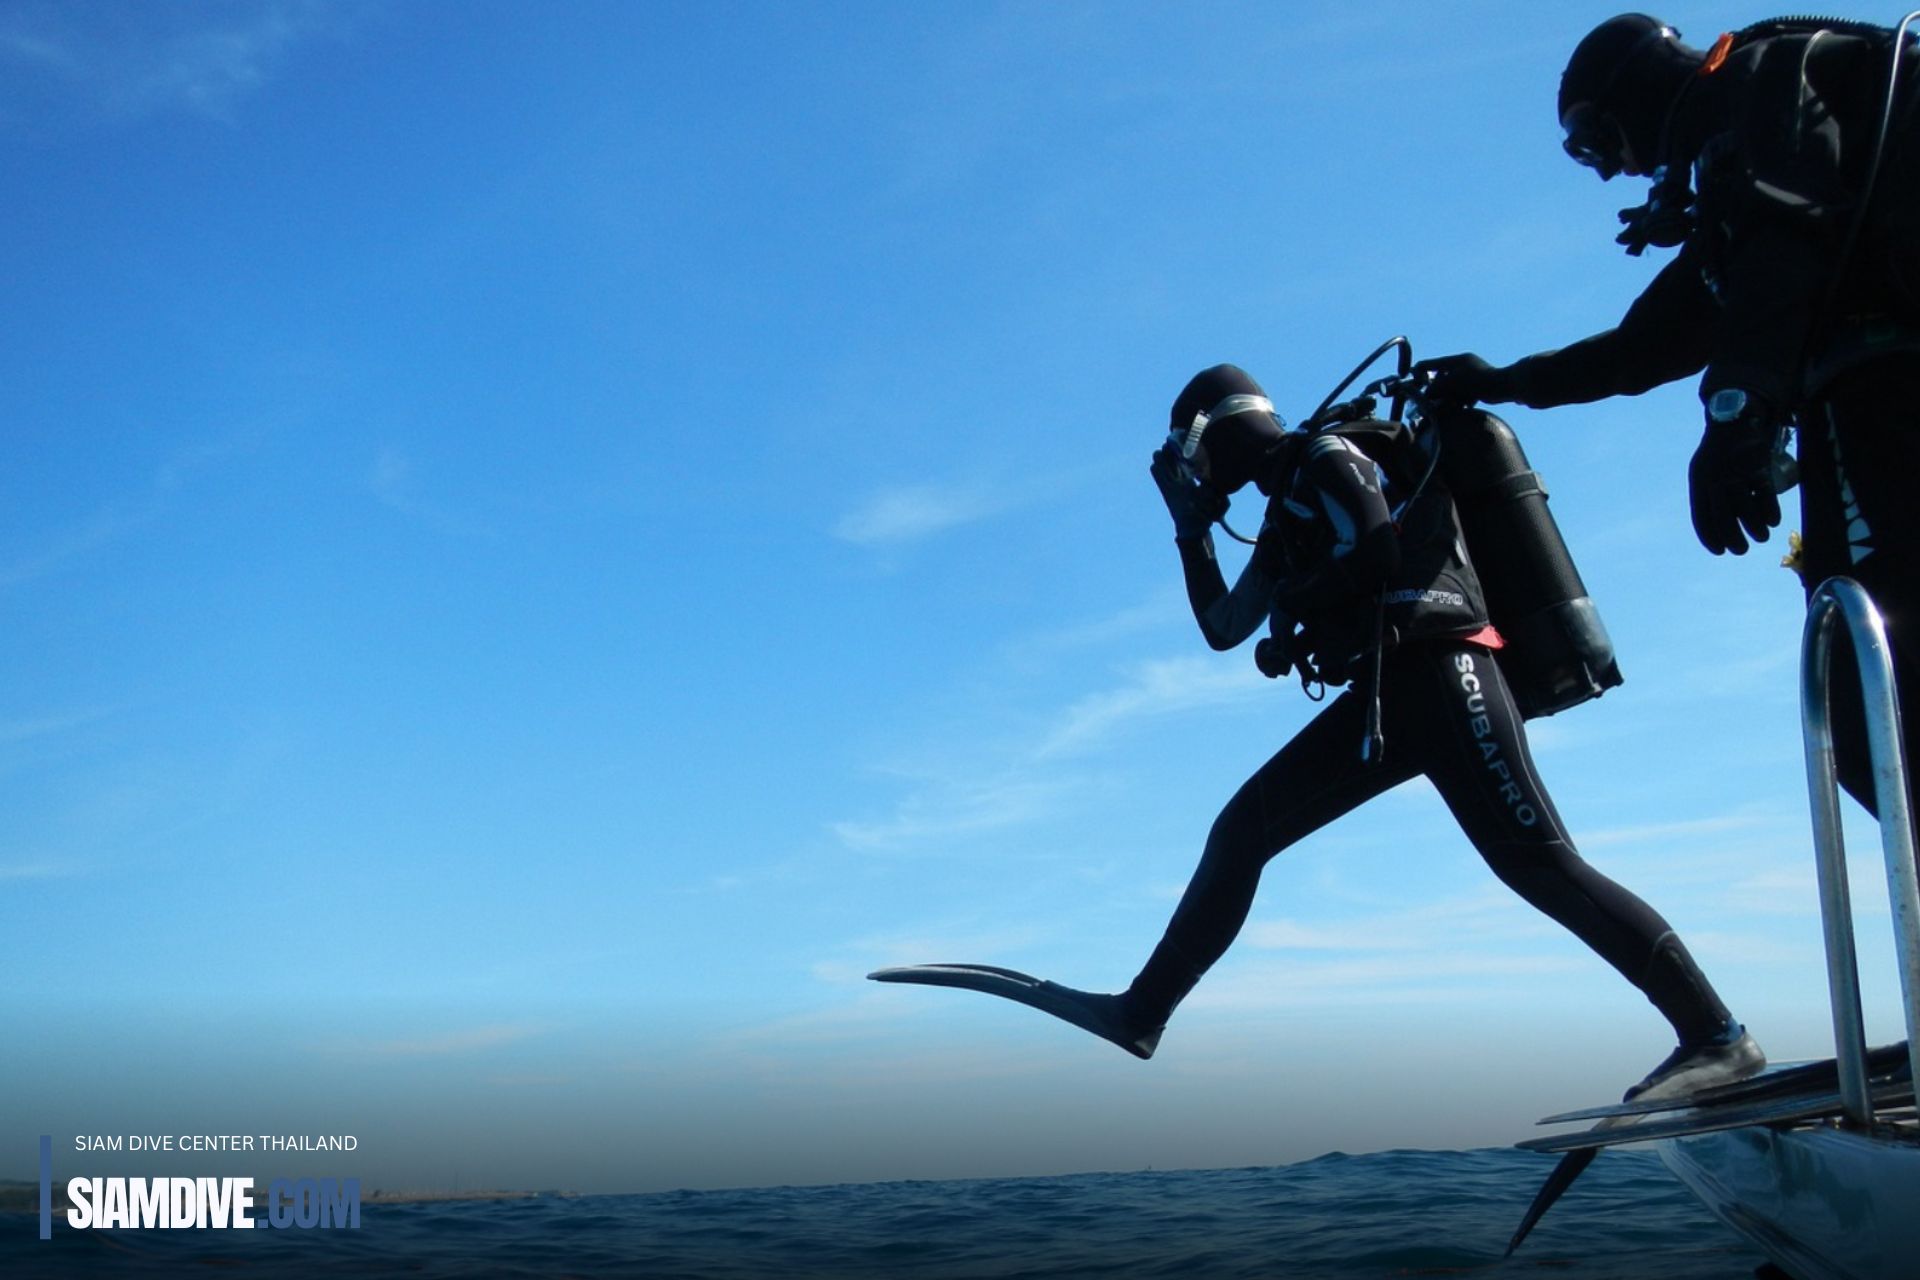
point(1193, 506)
point(1732, 482)
point(1467, 379)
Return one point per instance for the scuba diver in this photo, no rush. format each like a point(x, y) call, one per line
point(1361, 576)
point(1786, 171)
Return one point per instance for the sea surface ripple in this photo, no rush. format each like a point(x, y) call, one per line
point(1338, 1217)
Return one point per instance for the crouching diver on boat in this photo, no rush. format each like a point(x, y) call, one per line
point(1360, 576)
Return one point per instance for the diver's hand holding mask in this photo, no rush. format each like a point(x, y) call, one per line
point(1193, 504)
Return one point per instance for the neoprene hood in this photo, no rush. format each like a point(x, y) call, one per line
point(1223, 411)
point(1617, 89)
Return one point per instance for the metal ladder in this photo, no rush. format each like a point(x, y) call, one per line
point(1843, 603)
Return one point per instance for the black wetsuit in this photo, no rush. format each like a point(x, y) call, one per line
point(1781, 137)
point(1777, 293)
point(1446, 713)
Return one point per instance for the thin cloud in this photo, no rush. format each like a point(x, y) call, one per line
point(1159, 688)
point(873, 1006)
point(1777, 891)
point(35, 871)
point(1491, 913)
point(943, 809)
point(871, 1040)
point(388, 478)
point(104, 527)
point(1166, 607)
point(392, 482)
point(1426, 976)
point(20, 44)
point(138, 60)
point(116, 521)
point(1024, 792)
point(909, 514)
point(881, 951)
point(1668, 830)
point(27, 730)
point(1759, 951)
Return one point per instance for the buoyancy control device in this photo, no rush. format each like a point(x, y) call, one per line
point(1557, 653)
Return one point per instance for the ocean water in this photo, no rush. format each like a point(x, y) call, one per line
point(1400, 1213)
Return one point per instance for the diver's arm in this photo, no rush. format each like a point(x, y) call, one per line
point(1226, 617)
point(1666, 334)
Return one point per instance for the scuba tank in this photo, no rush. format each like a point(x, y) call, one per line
point(1558, 653)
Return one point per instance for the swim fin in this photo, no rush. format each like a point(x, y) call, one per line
point(1565, 1174)
point(1103, 1015)
point(1570, 1167)
point(1884, 1064)
point(1787, 1110)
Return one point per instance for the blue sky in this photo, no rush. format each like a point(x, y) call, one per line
point(541, 543)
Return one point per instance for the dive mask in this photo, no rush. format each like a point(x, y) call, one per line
point(1186, 444)
point(1594, 139)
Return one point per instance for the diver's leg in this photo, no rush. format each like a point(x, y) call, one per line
point(1478, 759)
point(1315, 778)
point(1859, 452)
point(1312, 780)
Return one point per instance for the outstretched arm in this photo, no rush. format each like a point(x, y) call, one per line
point(1666, 334)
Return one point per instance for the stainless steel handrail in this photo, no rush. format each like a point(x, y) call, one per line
point(1842, 601)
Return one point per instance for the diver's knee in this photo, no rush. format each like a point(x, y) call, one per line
point(1237, 831)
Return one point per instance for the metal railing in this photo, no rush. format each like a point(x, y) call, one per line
point(1841, 602)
